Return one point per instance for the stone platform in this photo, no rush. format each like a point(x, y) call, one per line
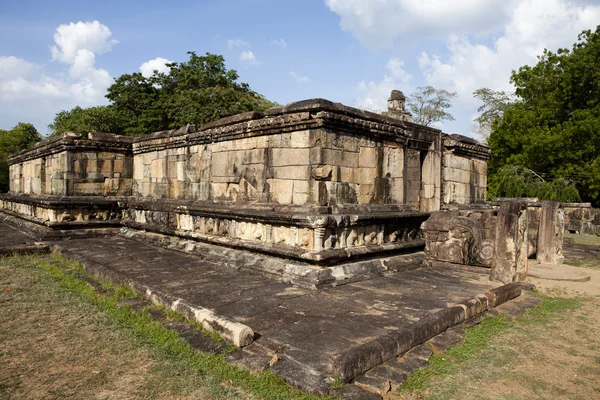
point(307, 337)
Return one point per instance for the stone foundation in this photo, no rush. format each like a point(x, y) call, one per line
point(314, 181)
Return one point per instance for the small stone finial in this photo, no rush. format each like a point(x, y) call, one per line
point(396, 106)
point(397, 95)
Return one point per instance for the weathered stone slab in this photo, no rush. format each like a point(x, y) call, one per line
point(551, 233)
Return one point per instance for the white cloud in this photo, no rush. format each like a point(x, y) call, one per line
point(249, 57)
point(373, 96)
point(380, 23)
point(91, 36)
point(158, 64)
point(533, 26)
point(29, 94)
point(233, 43)
point(279, 43)
point(299, 78)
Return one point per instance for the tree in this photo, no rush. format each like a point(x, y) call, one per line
point(492, 109)
point(20, 137)
point(518, 181)
point(93, 119)
point(428, 105)
point(554, 126)
point(195, 92)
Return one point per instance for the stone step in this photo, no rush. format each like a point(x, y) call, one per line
point(373, 384)
point(445, 340)
point(353, 392)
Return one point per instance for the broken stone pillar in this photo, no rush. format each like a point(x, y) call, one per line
point(551, 233)
point(511, 243)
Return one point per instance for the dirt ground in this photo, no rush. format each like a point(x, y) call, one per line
point(556, 359)
point(53, 345)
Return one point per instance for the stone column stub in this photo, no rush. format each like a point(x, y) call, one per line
point(511, 243)
point(551, 233)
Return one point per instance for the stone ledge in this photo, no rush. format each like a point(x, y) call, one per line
point(286, 270)
point(41, 231)
point(359, 359)
point(236, 333)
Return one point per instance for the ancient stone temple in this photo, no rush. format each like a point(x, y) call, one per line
point(313, 183)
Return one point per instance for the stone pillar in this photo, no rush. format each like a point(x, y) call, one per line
point(431, 184)
point(551, 233)
point(511, 243)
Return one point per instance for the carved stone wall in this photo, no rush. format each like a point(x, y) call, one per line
point(69, 165)
point(464, 171)
point(481, 236)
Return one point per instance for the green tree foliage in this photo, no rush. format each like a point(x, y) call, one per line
point(428, 105)
point(18, 138)
point(93, 119)
point(492, 109)
point(197, 91)
point(554, 126)
point(517, 181)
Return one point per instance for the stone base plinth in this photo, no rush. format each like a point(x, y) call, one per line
point(56, 217)
point(317, 235)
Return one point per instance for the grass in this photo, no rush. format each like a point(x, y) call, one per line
point(177, 360)
point(482, 337)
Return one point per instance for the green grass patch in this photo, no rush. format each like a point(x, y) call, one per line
point(160, 341)
point(481, 337)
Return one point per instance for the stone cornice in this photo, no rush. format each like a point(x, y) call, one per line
point(74, 142)
point(307, 114)
point(466, 146)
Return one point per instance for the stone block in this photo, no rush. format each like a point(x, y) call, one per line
point(281, 191)
point(301, 192)
point(88, 189)
point(347, 175)
point(292, 172)
point(105, 167)
point(351, 143)
point(300, 139)
point(284, 157)
point(367, 157)
point(365, 175)
point(254, 156)
point(158, 168)
point(118, 166)
point(117, 187)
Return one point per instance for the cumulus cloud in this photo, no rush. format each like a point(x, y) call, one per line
point(70, 39)
point(158, 64)
point(28, 93)
point(249, 57)
point(299, 78)
point(279, 43)
point(533, 26)
point(373, 95)
point(233, 43)
point(478, 42)
point(380, 23)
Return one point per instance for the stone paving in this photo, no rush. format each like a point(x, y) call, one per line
point(298, 330)
point(305, 326)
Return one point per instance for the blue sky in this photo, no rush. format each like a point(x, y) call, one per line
point(351, 51)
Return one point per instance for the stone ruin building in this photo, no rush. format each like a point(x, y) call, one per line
point(314, 194)
point(314, 183)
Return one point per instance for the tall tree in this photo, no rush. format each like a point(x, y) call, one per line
point(428, 105)
point(554, 127)
point(18, 138)
point(492, 109)
point(93, 119)
point(197, 91)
